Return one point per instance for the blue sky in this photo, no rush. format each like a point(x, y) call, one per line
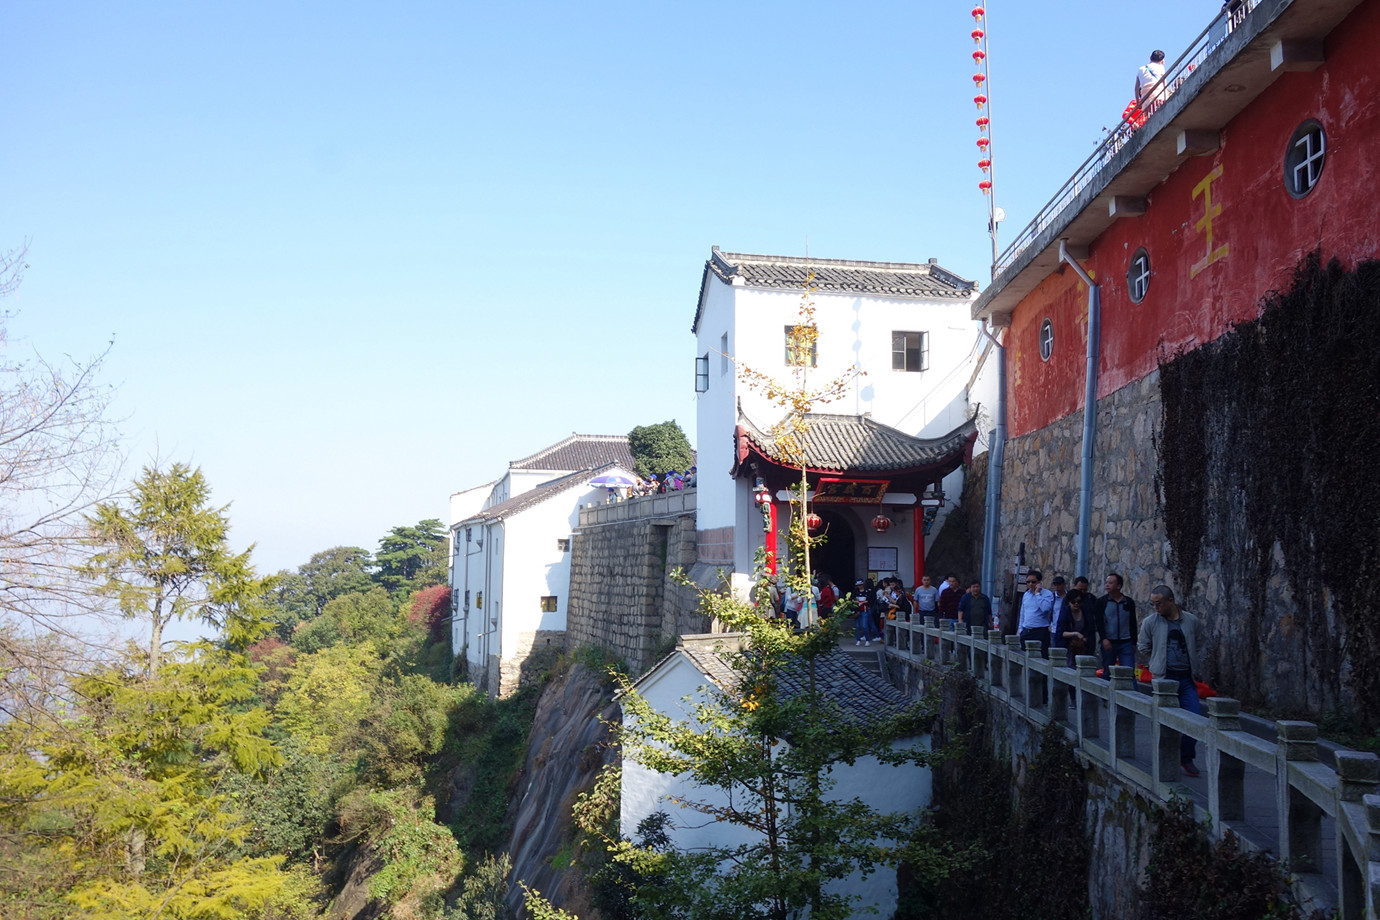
point(356, 257)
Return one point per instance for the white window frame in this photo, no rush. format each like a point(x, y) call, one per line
point(923, 349)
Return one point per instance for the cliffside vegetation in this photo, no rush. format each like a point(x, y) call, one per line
point(1001, 849)
point(310, 757)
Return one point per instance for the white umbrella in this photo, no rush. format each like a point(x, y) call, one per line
point(612, 481)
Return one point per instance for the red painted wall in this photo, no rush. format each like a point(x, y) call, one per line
point(1264, 230)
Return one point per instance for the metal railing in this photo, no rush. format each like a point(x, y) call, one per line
point(1322, 821)
point(1134, 120)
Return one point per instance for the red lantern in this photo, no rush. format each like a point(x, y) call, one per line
point(983, 142)
point(986, 187)
point(984, 164)
point(813, 521)
point(978, 78)
point(881, 523)
point(977, 12)
point(981, 100)
point(978, 35)
point(983, 121)
point(979, 54)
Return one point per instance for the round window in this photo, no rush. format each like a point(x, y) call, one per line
point(1138, 275)
point(1046, 340)
point(1304, 158)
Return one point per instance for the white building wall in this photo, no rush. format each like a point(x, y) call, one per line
point(882, 786)
point(854, 331)
point(715, 503)
point(534, 567)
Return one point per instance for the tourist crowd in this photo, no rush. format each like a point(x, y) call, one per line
point(1073, 619)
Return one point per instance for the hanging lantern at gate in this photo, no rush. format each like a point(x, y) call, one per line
point(813, 521)
point(881, 523)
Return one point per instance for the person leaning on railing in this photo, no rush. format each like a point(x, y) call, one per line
point(1169, 643)
point(1150, 89)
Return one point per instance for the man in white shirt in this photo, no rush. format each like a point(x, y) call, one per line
point(1037, 611)
point(1150, 88)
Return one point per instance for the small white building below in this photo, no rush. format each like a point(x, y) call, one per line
point(906, 328)
point(510, 554)
point(699, 668)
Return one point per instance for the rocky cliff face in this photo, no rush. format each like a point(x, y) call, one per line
point(570, 744)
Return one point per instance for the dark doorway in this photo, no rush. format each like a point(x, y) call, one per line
point(836, 557)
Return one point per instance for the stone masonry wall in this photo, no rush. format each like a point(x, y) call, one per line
point(1249, 655)
point(534, 650)
point(1039, 504)
point(621, 596)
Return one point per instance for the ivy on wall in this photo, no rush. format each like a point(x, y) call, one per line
point(1268, 451)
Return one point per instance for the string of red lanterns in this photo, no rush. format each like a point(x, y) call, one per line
point(984, 123)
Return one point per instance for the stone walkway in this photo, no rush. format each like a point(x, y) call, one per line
point(1260, 827)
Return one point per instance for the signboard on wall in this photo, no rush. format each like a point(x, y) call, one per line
point(883, 559)
point(833, 490)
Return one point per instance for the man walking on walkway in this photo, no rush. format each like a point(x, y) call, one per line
point(1037, 611)
point(1119, 626)
point(1169, 642)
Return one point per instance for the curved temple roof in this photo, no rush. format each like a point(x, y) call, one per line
point(856, 443)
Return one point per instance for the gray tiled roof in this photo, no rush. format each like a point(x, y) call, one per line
point(862, 694)
point(541, 493)
point(580, 452)
point(856, 442)
point(917, 280)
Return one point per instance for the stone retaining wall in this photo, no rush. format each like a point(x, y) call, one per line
point(1040, 494)
point(1257, 656)
point(621, 598)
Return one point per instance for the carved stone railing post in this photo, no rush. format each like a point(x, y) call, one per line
point(931, 643)
point(1226, 774)
point(996, 664)
point(1358, 774)
point(1089, 707)
point(1372, 871)
point(979, 654)
point(1015, 668)
point(1300, 820)
point(1036, 685)
point(1122, 679)
point(1058, 691)
point(1166, 741)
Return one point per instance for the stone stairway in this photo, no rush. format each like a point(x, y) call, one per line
point(865, 656)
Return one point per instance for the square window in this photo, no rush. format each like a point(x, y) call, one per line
point(802, 347)
point(910, 351)
point(548, 604)
point(563, 544)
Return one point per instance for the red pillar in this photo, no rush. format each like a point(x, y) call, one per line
point(771, 538)
point(918, 540)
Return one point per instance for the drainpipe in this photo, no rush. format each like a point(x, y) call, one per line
point(991, 578)
point(1089, 413)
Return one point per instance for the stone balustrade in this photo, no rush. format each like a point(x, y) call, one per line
point(641, 507)
point(1321, 820)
